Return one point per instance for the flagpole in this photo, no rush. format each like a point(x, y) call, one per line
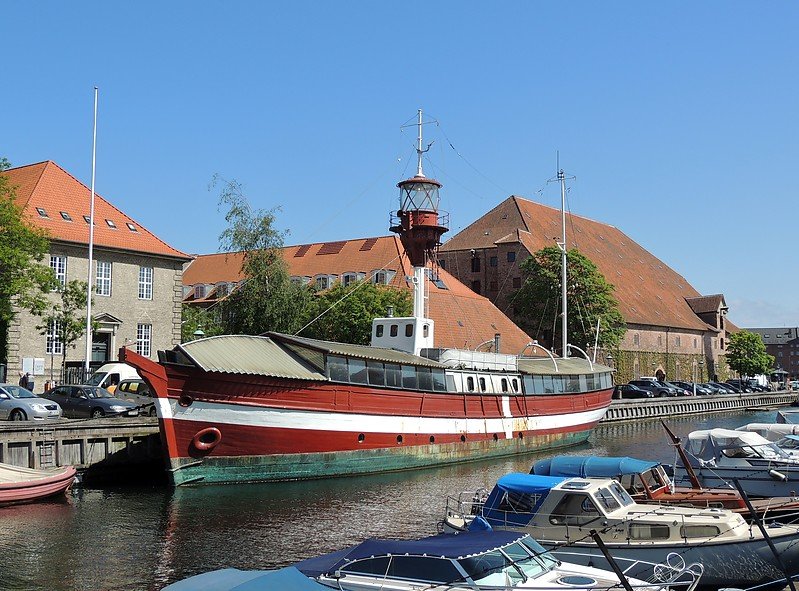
point(91, 249)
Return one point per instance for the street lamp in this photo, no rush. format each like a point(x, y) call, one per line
point(197, 334)
point(609, 359)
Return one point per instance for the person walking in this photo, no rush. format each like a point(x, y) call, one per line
point(26, 381)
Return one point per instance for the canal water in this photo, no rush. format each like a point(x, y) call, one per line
point(146, 537)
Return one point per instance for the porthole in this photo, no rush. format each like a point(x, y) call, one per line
point(185, 400)
point(463, 438)
point(399, 439)
point(432, 439)
point(361, 437)
point(496, 438)
point(521, 435)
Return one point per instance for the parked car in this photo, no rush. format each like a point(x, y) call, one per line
point(90, 401)
point(622, 391)
point(137, 392)
point(20, 404)
point(109, 375)
point(728, 387)
point(655, 387)
point(680, 390)
point(741, 385)
point(700, 389)
point(715, 388)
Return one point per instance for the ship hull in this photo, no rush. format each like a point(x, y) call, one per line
point(223, 428)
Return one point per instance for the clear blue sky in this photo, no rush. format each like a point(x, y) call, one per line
point(679, 119)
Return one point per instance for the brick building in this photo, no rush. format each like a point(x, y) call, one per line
point(463, 318)
point(137, 276)
point(783, 344)
point(672, 329)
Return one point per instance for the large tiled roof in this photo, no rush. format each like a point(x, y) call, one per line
point(49, 187)
point(463, 318)
point(648, 290)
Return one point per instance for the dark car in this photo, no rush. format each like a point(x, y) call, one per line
point(631, 391)
point(680, 391)
point(90, 401)
point(742, 386)
point(715, 388)
point(728, 387)
point(656, 388)
point(137, 392)
point(689, 386)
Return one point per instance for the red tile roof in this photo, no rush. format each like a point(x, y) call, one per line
point(463, 318)
point(49, 187)
point(648, 290)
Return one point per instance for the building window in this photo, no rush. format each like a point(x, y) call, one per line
point(442, 263)
point(42, 212)
point(676, 341)
point(145, 283)
point(694, 343)
point(493, 286)
point(492, 262)
point(65, 216)
point(131, 227)
point(322, 282)
point(476, 286)
point(59, 266)
point(144, 334)
point(54, 344)
point(199, 292)
point(660, 340)
point(475, 265)
point(102, 284)
point(111, 224)
point(511, 256)
point(517, 282)
point(636, 339)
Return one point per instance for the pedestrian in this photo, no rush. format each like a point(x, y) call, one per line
point(26, 382)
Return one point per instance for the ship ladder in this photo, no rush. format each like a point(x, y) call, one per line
point(47, 446)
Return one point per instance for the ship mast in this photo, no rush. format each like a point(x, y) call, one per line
point(563, 249)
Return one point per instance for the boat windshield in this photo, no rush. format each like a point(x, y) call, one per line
point(19, 392)
point(767, 452)
point(606, 498)
point(621, 495)
point(790, 444)
point(510, 565)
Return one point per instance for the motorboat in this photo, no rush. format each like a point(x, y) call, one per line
point(26, 485)
point(470, 561)
point(648, 482)
point(718, 457)
point(562, 512)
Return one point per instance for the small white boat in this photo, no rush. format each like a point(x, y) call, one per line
point(562, 512)
point(26, 485)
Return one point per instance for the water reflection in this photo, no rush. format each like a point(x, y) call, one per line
point(147, 537)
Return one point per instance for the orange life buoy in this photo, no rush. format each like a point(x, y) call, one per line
point(207, 439)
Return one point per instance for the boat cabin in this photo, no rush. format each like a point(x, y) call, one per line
point(733, 448)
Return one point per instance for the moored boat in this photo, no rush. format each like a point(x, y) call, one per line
point(561, 512)
point(279, 407)
point(26, 485)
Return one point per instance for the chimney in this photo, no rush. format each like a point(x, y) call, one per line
point(496, 342)
point(390, 312)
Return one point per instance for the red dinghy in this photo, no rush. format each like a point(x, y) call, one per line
point(26, 485)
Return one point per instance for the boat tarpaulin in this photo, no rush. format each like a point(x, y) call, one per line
point(444, 545)
point(591, 466)
point(516, 497)
point(231, 579)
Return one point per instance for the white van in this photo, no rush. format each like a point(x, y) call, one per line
point(109, 375)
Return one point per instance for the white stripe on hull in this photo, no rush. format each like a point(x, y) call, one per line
point(234, 414)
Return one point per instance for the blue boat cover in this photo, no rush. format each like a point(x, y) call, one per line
point(590, 466)
point(444, 545)
point(231, 579)
point(516, 497)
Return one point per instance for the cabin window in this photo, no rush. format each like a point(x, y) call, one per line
point(582, 384)
point(516, 502)
point(379, 330)
point(590, 382)
point(699, 531)
point(607, 500)
point(514, 383)
point(621, 494)
point(648, 531)
point(553, 385)
point(393, 375)
point(357, 371)
point(425, 377)
point(369, 566)
point(450, 383)
point(426, 330)
point(377, 373)
point(574, 509)
point(337, 368)
point(504, 384)
point(393, 330)
point(439, 381)
point(423, 568)
point(470, 384)
point(409, 377)
point(482, 382)
point(409, 330)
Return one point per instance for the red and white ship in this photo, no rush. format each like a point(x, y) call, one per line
point(241, 408)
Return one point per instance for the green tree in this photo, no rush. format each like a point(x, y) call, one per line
point(196, 318)
point(345, 314)
point(590, 297)
point(746, 354)
point(266, 299)
point(67, 315)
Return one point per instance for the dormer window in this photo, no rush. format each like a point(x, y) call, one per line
point(111, 224)
point(132, 228)
point(87, 219)
point(199, 292)
point(42, 212)
point(349, 278)
point(382, 276)
point(325, 281)
point(65, 216)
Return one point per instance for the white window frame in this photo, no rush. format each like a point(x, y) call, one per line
point(145, 283)
point(102, 278)
point(144, 339)
point(58, 264)
point(199, 292)
point(54, 345)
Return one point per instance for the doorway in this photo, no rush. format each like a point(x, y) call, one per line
point(101, 346)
